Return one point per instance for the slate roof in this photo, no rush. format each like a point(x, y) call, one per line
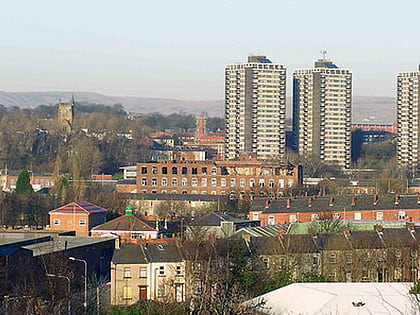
point(148, 253)
point(215, 218)
point(125, 223)
point(79, 207)
point(129, 254)
point(340, 203)
point(163, 252)
point(182, 197)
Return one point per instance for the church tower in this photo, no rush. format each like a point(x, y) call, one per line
point(66, 115)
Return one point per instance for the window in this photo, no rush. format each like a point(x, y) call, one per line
point(336, 216)
point(379, 216)
point(204, 182)
point(281, 183)
point(266, 262)
point(127, 272)
point(154, 170)
point(271, 220)
point(358, 216)
point(154, 181)
point(262, 182)
point(174, 182)
point(178, 270)
point(174, 170)
point(314, 216)
point(290, 183)
point(184, 182)
point(292, 218)
point(161, 290)
point(204, 170)
point(161, 270)
point(252, 182)
point(213, 182)
point(213, 171)
point(401, 215)
point(144, 170)
point(348, 277)
point(242, 182)
point(223, 182)
point(232, 182)
point(194, 182)
point(82, 222)
point(144, 181)
point(164, 170)
point(333, 258)
point(56, 221)
point(164, 181)
point(184, 171)
point(194, 171)
point(126, 293)
point(271, 183)
point(255, 216)
point(143, 272)
point(349, 258)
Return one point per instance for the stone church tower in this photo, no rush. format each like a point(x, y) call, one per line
point(66, 115)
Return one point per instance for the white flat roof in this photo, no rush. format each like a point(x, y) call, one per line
point(340, 298)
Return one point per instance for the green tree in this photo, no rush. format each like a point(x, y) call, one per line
point(23, 183)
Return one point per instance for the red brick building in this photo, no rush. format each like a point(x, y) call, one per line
point(77, 216)
point(234, 178)
point(389, 207)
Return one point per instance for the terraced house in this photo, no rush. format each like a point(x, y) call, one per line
point(379, 255)
point(347, 207)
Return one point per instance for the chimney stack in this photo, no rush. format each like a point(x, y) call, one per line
point(375, 199)
point(267, 203)
point(310, 202)
point(331, 201)
point(397, 199)
point(353, 201)
point(288, 202)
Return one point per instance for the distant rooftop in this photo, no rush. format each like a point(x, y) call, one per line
point(260, 59)
point(323, 63)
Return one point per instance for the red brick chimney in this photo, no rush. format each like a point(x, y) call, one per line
point(310, 202)
point(267, 203)
point(353, 201)
point(288, 202)
point(331, 201)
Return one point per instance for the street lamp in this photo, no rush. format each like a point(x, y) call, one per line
point(85, 262)
point(68, 288)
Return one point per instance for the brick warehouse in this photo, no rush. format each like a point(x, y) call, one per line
point(348, 207)
point(234, 178)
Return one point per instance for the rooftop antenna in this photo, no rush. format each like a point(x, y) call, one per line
point(324, 54)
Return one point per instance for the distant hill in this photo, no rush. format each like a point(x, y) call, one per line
point(131, 104)
point(366, 109)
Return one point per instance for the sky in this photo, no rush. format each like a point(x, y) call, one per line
point(178, 49)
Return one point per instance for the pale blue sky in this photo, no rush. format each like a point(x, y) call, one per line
point(178, 49)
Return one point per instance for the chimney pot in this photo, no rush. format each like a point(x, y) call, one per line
point(331, 201)
point(288, 202)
